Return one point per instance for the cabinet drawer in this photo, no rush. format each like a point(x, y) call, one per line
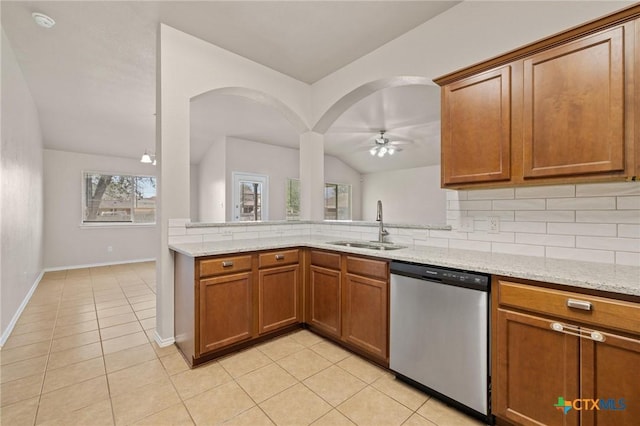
point(278, 258)
point(367, 267)
point(325, 259)
point(594, 310)
point(224, 265)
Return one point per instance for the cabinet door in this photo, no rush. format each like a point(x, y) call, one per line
point(325, 299)
point(476, 128)
point(573, 118)
point(534, 366)
point(225, 311)
point(365, 314)
point(278, 294)
point(610, 373)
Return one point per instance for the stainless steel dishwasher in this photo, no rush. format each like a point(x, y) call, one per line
point(439, 338)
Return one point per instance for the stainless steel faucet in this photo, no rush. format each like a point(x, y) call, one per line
point(381, 231)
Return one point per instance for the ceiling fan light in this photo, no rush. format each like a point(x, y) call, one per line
point(390, 151)
point(373, 150)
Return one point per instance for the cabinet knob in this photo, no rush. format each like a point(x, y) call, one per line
point(227, 264)
point(279, 256)
point(579, 304)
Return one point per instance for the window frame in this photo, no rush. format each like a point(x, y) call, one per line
point(113, 224)
point(337, 185)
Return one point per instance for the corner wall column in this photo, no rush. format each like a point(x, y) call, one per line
point(311, 176)
point(173, 175)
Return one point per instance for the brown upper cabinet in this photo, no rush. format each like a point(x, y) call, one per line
point(561, 110)
point(573, 118)
point(476, 128)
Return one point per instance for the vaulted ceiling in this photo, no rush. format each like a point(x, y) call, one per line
point(92, 76)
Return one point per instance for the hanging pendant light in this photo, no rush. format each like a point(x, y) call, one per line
point(146, 158)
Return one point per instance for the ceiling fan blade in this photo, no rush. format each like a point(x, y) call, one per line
point(363, 130)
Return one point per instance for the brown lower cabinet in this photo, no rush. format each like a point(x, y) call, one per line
point(223, 327)
point(550, 344)
point(365, 314)
point(325, 297)
point(278, 304)
point(223, 303)
point(348, 302)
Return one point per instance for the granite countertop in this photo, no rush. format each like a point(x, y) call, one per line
point(317, 222)
point(597, 276)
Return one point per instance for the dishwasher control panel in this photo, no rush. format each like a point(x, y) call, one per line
point(461, 278)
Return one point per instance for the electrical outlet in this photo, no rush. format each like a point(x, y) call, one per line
point(109, 249)
point(494, 224)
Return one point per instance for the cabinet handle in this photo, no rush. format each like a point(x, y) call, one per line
point(227, 264)
point(279, 256)
point(579, 304)
point(580, 332)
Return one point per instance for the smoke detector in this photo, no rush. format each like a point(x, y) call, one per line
point(43, 20)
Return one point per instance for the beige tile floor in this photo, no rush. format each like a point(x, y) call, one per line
point(82, 353)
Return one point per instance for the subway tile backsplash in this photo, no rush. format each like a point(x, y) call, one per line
point(588, 222)
point(597, 222)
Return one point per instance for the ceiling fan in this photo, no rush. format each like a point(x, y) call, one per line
point(383, 146)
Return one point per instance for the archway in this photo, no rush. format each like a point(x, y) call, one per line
point(236, 130)
point(351, 98)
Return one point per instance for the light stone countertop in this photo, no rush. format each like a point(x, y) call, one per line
point(589, 275)
point(317, 222)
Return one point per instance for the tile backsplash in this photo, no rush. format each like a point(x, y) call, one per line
point(588, 222)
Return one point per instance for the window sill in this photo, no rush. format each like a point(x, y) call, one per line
point(116, 225)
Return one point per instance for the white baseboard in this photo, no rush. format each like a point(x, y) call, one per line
point(163, 342)
point(7, 332)
point(95, 265)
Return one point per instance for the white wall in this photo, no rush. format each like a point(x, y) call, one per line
point(336, 171)
point(277, 162)
point(194, 197)
point(211, 183)
point(187, 67)
point(470, 32)
point(66, 242)
point(21, 197)
point(408, 196)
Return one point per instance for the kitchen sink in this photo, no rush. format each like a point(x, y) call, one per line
point(372, 245)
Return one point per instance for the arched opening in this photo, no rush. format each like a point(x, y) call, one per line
point(400, 167)
point(239, 132)
point(351, 98)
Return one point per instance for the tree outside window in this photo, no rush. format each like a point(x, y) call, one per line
point(119, 198)
point(293, 199)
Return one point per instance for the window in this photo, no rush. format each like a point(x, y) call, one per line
point(293, 199)
point(337, 201)
point(117, 198)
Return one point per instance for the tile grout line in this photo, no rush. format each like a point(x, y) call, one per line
point(46, 364)
point(104, 362)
